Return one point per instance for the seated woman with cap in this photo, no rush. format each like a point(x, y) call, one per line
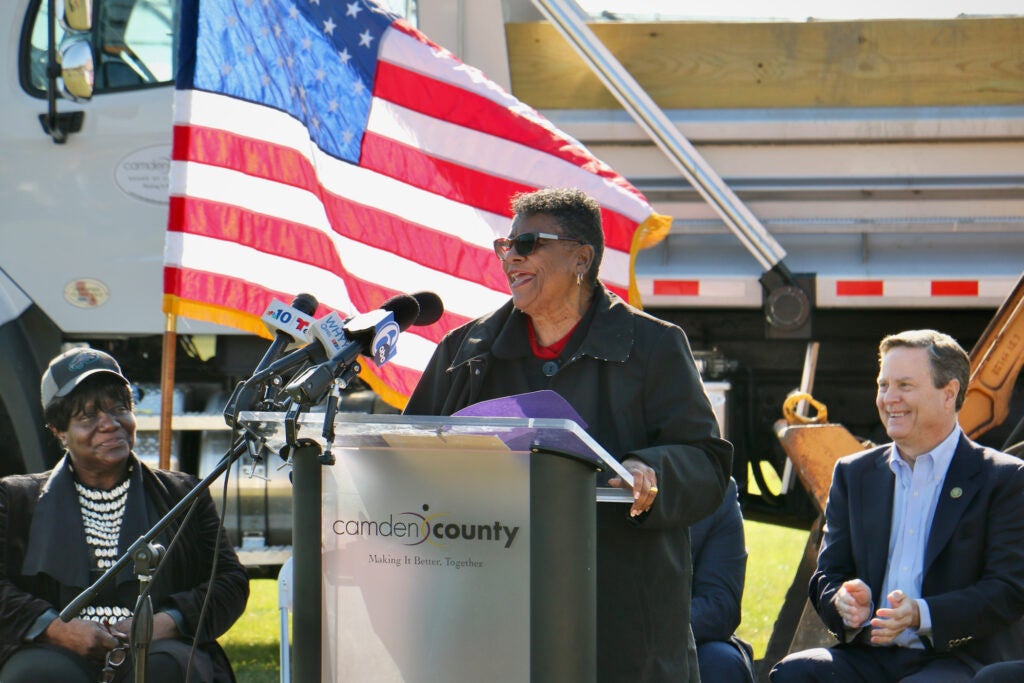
point(60, 530)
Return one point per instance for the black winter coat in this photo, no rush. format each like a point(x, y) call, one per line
point(40, 568)
point(633, 380)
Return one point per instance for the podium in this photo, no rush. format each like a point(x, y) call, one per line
point(440, 549)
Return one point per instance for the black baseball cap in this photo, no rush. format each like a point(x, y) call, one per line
point(71, 368)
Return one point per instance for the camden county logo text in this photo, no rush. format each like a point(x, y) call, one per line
point(414, 528)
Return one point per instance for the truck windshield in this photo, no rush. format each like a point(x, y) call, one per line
point(133, 44)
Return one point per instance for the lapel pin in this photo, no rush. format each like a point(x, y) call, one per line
point(956, 492)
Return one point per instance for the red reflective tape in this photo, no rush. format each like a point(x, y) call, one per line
point(677, 287)
point(859, 288)
point(954, 288)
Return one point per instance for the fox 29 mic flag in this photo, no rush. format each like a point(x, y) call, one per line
point(330, 147)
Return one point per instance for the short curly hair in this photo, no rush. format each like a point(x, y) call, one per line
point(578, 214)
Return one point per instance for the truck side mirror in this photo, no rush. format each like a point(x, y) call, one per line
point(78, 15)
point(77, 71)
point(71, 64)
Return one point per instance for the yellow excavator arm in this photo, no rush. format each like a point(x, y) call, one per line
point(996, 362)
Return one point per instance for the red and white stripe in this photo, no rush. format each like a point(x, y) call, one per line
point(937, 292)
point(830, 292)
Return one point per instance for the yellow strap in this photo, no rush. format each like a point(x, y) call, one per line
point(791, 416)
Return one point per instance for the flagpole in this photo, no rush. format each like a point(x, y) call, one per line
point(167, 388)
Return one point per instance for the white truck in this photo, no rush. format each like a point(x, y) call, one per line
point(888, 167)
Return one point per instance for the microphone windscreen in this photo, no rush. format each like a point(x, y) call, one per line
point(404, 308)
point(306, 303)
point(431, 308)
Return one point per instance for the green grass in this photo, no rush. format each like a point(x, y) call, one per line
point(774, 552)
point(773, 555)
point(252, 643)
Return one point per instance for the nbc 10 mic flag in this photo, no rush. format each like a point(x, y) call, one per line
point(330, 147)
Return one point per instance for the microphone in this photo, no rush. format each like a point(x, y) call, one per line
point(333, 332)
point(404, 307)
point(431, 308)
point(328, 338)
point(330, 332)
point(374, 334)
point(289, 323)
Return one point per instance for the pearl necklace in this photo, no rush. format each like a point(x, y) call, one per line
point(102, 512)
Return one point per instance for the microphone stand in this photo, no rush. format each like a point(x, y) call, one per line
point(307, 458)
point(331, 410)
point(146, 561)
point(307, 507)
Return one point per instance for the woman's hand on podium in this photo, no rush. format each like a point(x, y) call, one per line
point(645, 485)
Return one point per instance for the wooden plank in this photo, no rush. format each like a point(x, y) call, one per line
point(814, 450)
point(688, 65)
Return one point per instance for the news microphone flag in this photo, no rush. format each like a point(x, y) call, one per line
point(331, 147)
point(280, 317)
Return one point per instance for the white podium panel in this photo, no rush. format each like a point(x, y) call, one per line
point(450, 549)
point(426, 559)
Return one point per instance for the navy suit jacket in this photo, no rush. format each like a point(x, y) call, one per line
point(973, 577)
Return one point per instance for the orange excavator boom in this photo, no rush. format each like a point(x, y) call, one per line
point(996, 362)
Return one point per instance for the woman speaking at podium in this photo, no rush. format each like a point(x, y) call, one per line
point(633, 380)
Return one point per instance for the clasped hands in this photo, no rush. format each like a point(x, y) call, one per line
point(93, 640)
point(853, 603)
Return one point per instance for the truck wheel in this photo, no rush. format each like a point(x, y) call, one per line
point(29, 342)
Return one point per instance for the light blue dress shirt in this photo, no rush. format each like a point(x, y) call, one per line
point(915, 498)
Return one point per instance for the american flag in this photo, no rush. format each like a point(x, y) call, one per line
point(330, 147)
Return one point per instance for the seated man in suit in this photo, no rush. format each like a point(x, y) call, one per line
point(920, 575)
point(719, 569)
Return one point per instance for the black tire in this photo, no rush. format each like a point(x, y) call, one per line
point(29, 342)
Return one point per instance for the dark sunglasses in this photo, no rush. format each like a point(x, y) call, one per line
point(525, 243)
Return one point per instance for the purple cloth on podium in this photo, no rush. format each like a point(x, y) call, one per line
point(545, 403)
point(537, 404)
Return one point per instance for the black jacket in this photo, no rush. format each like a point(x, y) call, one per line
point(633, 380)
point(44, 564)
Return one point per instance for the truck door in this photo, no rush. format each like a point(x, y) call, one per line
point(93, 209)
